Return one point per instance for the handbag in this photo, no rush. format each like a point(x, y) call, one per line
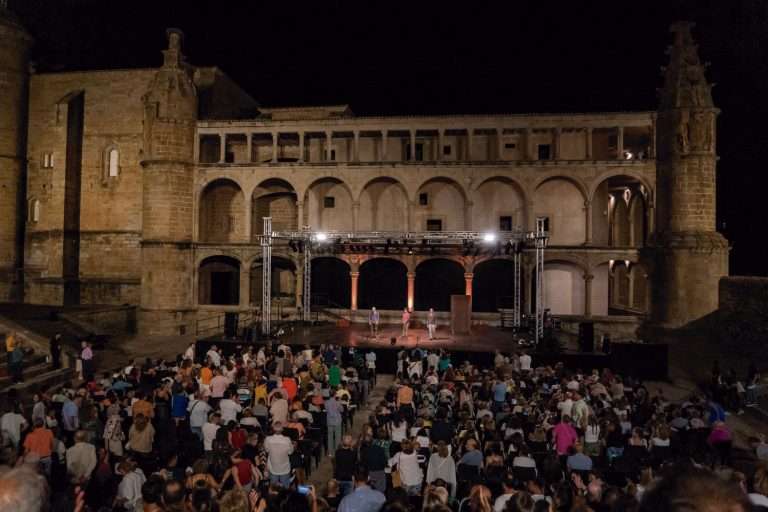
point(396, 480)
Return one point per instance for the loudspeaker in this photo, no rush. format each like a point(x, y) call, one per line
point(587, 337)
point(230, 325)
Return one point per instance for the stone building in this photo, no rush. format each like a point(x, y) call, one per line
point(147, 187)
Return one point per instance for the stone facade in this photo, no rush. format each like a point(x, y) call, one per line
point(148, 187)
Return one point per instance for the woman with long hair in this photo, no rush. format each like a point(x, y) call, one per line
point(441, 466)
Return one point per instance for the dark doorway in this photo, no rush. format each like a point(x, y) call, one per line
point(493, 286)
point(331, 283)
point(219, 281)
point(383, 283)
point(436, 280)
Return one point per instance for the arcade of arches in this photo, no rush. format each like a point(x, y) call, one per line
point(616, 214)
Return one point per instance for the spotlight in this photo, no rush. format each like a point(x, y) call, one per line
point(321, 237)
point(489, 237)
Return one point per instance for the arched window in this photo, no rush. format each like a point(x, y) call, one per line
point(33, 213)
point(111, 162)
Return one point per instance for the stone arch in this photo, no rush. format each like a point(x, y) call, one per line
point(221, 219)
point(283, 280)
point(611, 200)
point(436, 280)
point(218, 281)
point(383, 283)
point(276, 198)
point(627, 173)
point(564, 290)
point(561, 199)
point(323, 213)
point(498, 197)
point(446, 201)
point(493, 284)
point(383, 205)
point(331, 282)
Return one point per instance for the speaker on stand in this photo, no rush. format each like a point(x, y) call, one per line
point(586, 337)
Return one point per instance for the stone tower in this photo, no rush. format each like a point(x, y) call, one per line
point(691, 256)
point(14, 82)
point(170, 114)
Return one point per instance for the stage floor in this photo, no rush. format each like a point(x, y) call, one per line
point(482, 338)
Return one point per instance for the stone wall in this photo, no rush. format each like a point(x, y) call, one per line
point(742, 321)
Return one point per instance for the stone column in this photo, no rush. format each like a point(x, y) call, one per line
point(222, 147)
point(248, 219)
point(299, 214)
point(651, 224)
point(411, 281)
point(355, 215)
point(468, 152)
point(499, 144)
point(249, 149)
point(354, 276)
point(556, 133)
point(356, 149)
point(526, 149)
point(468, 215)
point(468, 283)
point(409, 218)
point(245, 287)
point(275, 137)
point(412, 149)
point(530, 216)
point(588, 294)
point(301, 147)
point(439, 151)
point(383, 156)
point(630, 286)
point(588, 138)
point(620, 143)
point(588, 217)
point(328, 143)
point(299, 288)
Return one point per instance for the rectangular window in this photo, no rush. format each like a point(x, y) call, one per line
point(333, 155)
point(547, 223)
point(510, 145)
point(423, 199)
point(544, 151)
point(434, 225)
point(447, 150)
point(329, 202)
point(47, 160)
point(505, 223)
point(419, 152)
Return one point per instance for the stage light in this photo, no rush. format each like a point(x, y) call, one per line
point(321, 237)
point(489, 237)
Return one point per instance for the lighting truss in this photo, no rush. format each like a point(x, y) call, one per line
point(309, 240)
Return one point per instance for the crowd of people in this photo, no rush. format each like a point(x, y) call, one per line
point(244, 431)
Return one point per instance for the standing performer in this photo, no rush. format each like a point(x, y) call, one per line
point(373, 322)
point(431, 323)
point(406, 322)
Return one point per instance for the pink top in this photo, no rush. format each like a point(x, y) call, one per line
point(86, 354)
point(719, 435)
point(564, 436)
point(406, 316)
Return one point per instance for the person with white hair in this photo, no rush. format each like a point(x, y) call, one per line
point(23, 489)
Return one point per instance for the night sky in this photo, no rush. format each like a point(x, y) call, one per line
point(419, 57)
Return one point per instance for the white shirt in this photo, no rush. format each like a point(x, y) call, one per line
point(190, 352)
point(81, 461)
point(525, 362)
point(229, 410)
point(130, 488)
point(279, 448)
point(565, 407)
point(11, 425)
point(214, 357)
point(209, 434)
point(501, 502)
point(198, 413)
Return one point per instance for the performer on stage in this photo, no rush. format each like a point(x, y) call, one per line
point(406, 322)
point(431, 323)
point(373, 322)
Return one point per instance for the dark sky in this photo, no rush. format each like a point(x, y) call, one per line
point(400, 57)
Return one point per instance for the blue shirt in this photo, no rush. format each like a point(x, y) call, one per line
point(364, 499)
point(500, 392)
point(332, 412)
point(69, 416)
point(579, 462)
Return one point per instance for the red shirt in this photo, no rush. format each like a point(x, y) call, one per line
point(289, 385)
point(238, 438)
point(244, 471)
